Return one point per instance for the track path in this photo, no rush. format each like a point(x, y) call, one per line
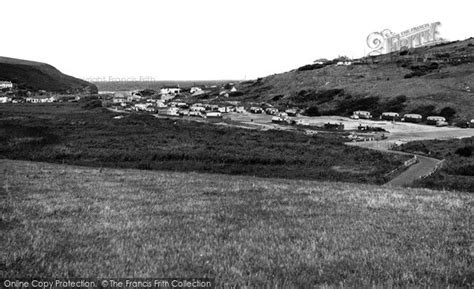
point(423, 167)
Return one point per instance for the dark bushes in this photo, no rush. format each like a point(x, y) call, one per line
point(310, 67)
point(312, 111)
point(465, 151)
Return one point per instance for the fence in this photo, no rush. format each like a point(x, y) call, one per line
point(436, 168)
point(401, 168)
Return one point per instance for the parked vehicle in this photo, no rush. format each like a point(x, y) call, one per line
point(291, 112)
point(412, 117)
point(195, 113)
point(271, 111)
point(392, 116)
point(361, 114)
point(302, 122)
point(277, 119)
point(433, 120)
point(255, 109)
point(334, 126)
point(212, 114)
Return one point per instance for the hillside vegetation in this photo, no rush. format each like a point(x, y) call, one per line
point(85, 134)
point(66, 221)
point(35, 76)
point(445, 81)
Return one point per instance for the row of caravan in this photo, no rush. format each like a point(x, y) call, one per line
point(410, 117)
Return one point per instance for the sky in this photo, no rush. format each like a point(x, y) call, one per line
point(208, 39)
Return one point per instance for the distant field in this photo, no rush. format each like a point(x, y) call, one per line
point(155, 85)
point(67, 133)
point(457, 172)
point(67, 221)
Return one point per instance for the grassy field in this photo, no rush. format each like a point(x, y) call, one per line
point(457, 172)
point(67, 133)
point(68, 221)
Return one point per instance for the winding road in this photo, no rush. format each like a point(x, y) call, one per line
point(423, 167)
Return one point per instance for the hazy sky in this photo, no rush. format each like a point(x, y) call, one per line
point(208, 39)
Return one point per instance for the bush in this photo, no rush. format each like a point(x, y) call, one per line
point(425, 110)
point(348, 106)
point(465, 151)
point(312, 111)
point(236, 93)
point(448, 113)
point(310, 67)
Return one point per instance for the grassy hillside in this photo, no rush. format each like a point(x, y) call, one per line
point(36, 76)
point(69, 133)
point(448, 84)
point(67, 221)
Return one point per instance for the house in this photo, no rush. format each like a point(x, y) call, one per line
point(6, 85)
point(390, 116)
point(412, 117)
point(361, 114)
point(119, 97)
point(170, 90)
point(435, 120)
point(346, 63)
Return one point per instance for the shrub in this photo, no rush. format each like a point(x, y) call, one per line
point(236, 93)
point(310, 67)
point(425, 110)
point(312, 111)
point(448, 113)
point(465, 151)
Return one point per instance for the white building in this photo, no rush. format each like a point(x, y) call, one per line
point(6, 84)
point(170, 90)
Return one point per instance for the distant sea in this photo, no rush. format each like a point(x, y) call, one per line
point(155, 85)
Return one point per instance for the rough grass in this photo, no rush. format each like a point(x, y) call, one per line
point(68, 133)
point(67, 221)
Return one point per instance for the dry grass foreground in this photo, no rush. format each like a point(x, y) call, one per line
point(68, 221)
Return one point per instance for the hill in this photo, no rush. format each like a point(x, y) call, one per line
point(426, 80)
point(35, 76)
point(69, 221)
